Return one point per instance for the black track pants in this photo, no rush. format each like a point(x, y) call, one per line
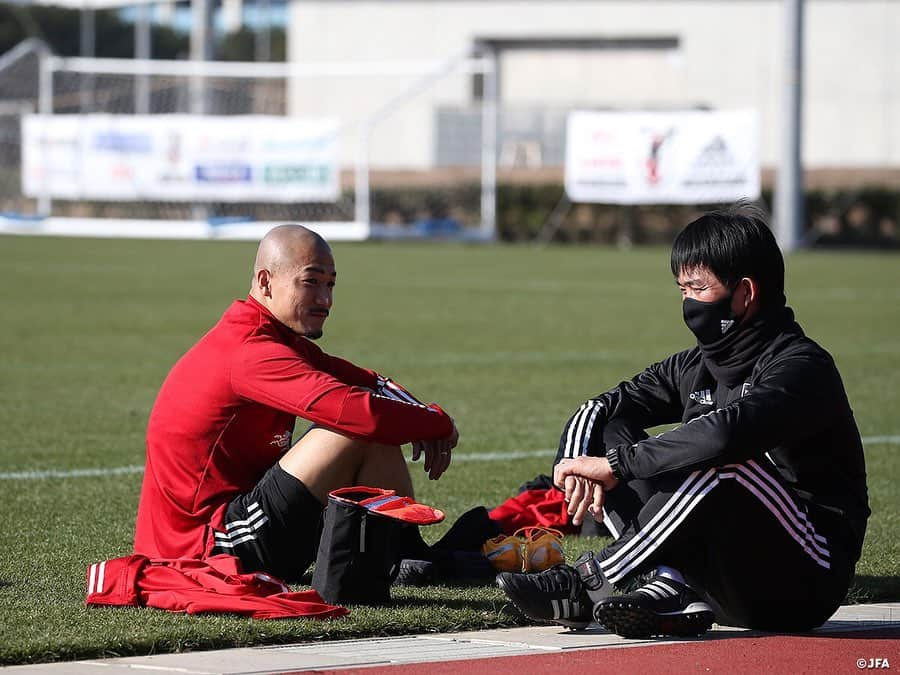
point(761, 556)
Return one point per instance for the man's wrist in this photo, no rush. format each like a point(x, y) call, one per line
point(615, 466)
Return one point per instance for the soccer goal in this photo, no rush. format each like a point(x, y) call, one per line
point(118, 147)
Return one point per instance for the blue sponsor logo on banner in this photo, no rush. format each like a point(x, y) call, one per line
point(223, 173)
point(116, 141)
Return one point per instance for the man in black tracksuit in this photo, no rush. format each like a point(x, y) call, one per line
point(752, 512)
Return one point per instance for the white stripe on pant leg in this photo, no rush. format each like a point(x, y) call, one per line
point(101, 573)
point(256, 515)
point(683, 492)
point(567, 450)
point(788, 498)
point(241, 540)
point(590, 427)
point(257, 519)
point(658, 538)
point(609, 523)
point(244, 530)
point(788, 508)
point(773, 500)
point(92, 579)
point(579, 433)
point(651, 537)
point(232, 534)
point(587, 419)
point(780, 517)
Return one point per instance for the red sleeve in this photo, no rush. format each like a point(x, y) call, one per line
point(276, 375)
point(346, 372)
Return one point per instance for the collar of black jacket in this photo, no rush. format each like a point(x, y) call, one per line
point(732, 358)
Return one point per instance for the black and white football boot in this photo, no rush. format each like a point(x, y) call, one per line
point(562, 594)
point(660, 607)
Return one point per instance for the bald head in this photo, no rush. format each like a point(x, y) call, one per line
point(285, 245)
point(294, 277)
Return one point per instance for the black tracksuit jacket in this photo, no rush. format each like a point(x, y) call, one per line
point(791, 407)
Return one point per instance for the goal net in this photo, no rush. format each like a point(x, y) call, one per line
point(360, 147)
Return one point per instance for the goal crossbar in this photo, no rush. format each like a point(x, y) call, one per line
point(245, 69)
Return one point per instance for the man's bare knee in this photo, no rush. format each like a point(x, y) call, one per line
point(325, 460)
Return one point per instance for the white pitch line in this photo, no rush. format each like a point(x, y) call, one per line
point(499, 456)
point(890, 440)
point(72, 473)
point(125, 470)
point(461, 457)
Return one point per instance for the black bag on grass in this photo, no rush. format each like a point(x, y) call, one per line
point(359, 547)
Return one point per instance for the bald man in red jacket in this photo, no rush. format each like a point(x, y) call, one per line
point(222, 474)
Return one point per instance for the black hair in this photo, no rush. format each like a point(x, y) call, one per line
point(733, 243)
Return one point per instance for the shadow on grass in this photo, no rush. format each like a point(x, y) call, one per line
point(485, 605)
point(866, 589)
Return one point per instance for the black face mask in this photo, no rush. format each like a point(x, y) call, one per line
point(709, 321)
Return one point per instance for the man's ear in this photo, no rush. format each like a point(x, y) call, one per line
point(263, 282)
point(751, 292)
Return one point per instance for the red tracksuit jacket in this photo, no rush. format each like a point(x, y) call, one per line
point(225, 414)
point(200, 586)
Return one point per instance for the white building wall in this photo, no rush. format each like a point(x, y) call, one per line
point(729, 57)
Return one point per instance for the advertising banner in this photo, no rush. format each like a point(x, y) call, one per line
point(180, 158)
point(691, 157)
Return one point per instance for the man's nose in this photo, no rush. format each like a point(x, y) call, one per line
point(326, 297)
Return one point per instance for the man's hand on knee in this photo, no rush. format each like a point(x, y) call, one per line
point(437, 453)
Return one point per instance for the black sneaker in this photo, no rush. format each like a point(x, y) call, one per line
point(445, 567)
point(660, 607)
point(415, 573)
point(556, 594)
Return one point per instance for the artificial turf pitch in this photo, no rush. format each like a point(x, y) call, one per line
point(509, 340)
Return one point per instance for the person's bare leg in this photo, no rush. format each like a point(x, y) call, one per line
point(324, 461)
point(385, 467)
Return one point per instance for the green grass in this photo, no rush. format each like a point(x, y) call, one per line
point(508, 339)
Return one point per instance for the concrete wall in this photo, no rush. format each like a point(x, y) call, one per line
point(729, 56)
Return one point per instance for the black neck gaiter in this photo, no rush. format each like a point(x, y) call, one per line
point(731, 347)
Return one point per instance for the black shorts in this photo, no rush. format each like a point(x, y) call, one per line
point(274, 528)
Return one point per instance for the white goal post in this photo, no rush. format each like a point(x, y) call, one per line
point(386, 115)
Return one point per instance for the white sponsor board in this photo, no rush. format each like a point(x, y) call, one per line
point(180, 158)
point(662, 158)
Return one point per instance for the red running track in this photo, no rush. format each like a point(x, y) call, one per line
point(828, 653)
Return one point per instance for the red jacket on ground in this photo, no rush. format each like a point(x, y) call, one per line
point(225, 414)
point(535, 507)
point(214, 585)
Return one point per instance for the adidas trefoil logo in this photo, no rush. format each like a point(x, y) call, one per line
point(726, 324)
point(703, 397)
